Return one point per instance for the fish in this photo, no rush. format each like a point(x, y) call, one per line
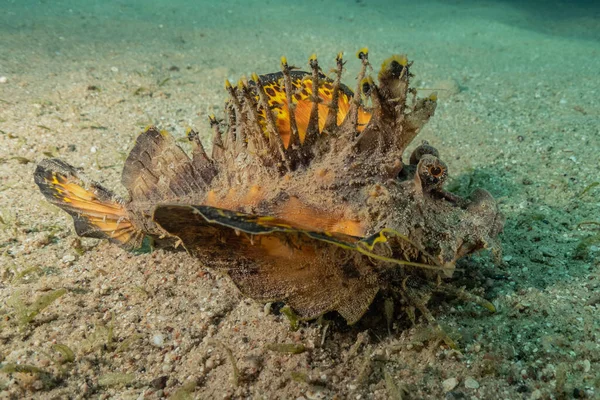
point(306, 197)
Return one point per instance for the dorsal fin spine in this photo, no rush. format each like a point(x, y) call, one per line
point(274, 137)
point(331, 119)
point(287, 81)
point(351, 120)
point(312, 130)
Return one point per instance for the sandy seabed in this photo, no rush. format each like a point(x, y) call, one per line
point(518, 115)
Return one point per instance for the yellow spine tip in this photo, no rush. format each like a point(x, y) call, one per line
point(402, 60)
point(283, 60)
point(340, 55)
point(362, 53)
point(433, 96)
point(367, 84)
point(313, 57)
point(255, 77)
point(227, 84)
point(490, 306)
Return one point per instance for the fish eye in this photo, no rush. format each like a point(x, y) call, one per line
point(435, 171)
point(432, 172)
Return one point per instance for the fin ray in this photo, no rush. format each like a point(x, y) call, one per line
point(158, 169)
point(96, 212)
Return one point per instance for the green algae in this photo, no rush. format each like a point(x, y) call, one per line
point(185, 391)
point(583, 249)
point(588, 188)
point(48, 380)
point(394, 392)
point(25, 314)
point(290, 348)
point(235, 376)
point(292, 317)
point(24, 274)
point(115, 379)
point(125, 344)
point(68, 356)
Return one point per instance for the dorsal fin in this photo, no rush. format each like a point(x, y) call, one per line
point(158, 169)
point(303, 84)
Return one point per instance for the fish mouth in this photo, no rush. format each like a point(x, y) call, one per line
point(481, 222)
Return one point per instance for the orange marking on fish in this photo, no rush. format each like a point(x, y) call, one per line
point(303, 107)
point(306, 217)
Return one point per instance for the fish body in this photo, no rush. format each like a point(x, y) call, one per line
point(305, 197)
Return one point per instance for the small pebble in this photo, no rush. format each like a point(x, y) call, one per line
point(449, 384)
point(69, 258)
point(38, 385)
point(114, 69)
point(93, 149)
point(522, 389)
point(267, 308)
point(587, 366)
point(3, 79)
point(84, 388)
point(471, 383)
point(41, 240)
point(158, 340)
point(314, 395)
point(455, 396)
point(536, 395)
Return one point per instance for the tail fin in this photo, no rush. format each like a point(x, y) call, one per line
point(96, 211)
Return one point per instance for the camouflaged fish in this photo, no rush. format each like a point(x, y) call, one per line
point(305, 198)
